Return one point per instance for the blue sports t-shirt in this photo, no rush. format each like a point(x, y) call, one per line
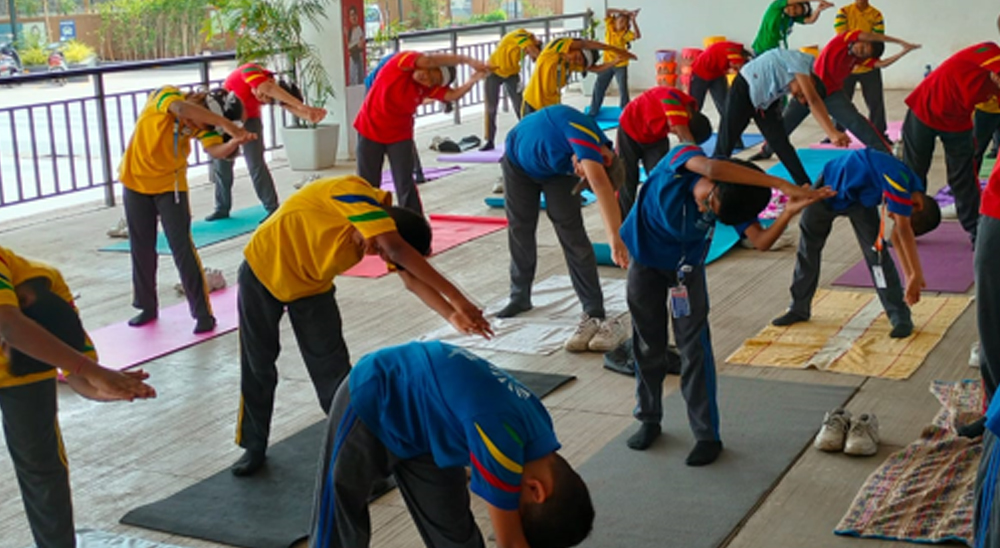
point(665, 225)
point(431, 398)
point(866, 176)
point(544, 142)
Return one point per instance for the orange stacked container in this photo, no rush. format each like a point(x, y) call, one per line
point(666, 68)
point(688, 55)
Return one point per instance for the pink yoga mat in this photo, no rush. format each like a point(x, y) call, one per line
point(449, 231)
point(474, 156)
point(894, 129)
point(430, 174)
point(945, 256)
point(121, 347)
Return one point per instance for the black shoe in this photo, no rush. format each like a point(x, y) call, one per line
point(973, 429)
point(621, 359)
point(204, 325)
point(487, 146)
point(991, 155)
point(216, 215)
point(825, 141)
point(901, 331)
point(250, 462)
point(764, 154)
point(788, 319)
point(143, 318)
point(704, 452)
point(644, 437)
point(513, 309)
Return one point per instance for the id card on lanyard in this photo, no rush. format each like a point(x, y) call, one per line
point(680, 303)
point(878, 275)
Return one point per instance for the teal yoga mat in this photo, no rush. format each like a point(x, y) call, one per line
point(725, 238)
point(205, 233)
point(812, 159)
point(497, 201)
point(607, 117)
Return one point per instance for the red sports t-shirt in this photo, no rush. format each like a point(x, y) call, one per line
point(649, 117)
point(715, 61)
point(243, 81)
point(386, 116)
point(835, 63)
point(946, 99)
point(990, 202)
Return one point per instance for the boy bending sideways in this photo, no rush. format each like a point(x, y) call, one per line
point(422, 412)
point(874, 190)
point(667, 234)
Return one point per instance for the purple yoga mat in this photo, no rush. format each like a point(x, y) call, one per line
point(945, 198)
point(945, 256)
point(430, 174)
point(474, 156)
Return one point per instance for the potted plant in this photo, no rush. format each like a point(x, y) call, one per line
point(589, 32)
point(271, 32)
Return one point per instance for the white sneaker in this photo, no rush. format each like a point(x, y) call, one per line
point(786, 239)
point(498, 186)
point(305, 181)
point(974, 355)
point(120, 230)
point(834, 431)
point(585, 330)
point(862, 439)
point(608, 336)
point(213, 278)
point(949, 212)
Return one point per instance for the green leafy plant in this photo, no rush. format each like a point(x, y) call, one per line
point(151, 29)
point(271, 32)
point(33, 56)
point(77, 52)
point(494, 16)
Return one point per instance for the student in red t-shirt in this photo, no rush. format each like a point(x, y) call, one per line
point(644, 133)
point(385, 121)
point(709, 70)
point(830, 70)
point(941, 107)
point(256, 86)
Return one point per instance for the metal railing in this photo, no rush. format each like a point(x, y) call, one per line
point(58, 147)
point(54, 148)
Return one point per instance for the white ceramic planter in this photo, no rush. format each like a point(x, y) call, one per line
point(311, 149)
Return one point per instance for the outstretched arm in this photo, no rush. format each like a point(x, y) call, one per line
point(289, 102)
point(507, 528)
point(818, 109)
point(906, 245)
point(907, 48)
point(439, 60)
point(823, 5)
point(722, 170)
point(455, 94)
point(634, 18)
point(610, 210)
point(579, 44)
point(763, 238)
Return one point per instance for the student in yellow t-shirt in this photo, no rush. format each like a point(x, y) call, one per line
point(860, 15)
point(620, 29)
point(559, 59)
point(41, 331)
point(290, 264)
point(505, 69)
point(154, 174)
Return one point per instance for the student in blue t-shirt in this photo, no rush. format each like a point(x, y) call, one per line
point(557, 151)
point(668, 234)
point(423, 411)
point(874, 190)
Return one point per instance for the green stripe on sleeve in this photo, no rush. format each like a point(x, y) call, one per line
point(369, 216)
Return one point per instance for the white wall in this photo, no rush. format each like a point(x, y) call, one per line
point(942, 27)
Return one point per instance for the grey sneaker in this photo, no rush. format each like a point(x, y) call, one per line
point(498, 186)
point(974, 355)
point(608, 336)
point(120, 230)
point(834, 431)
point(585, 330)
point(862, 438)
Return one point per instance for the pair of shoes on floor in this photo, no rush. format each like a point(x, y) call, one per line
point(498, 186)
point(596, 335)
point(445, 144)
point(214, 279)
point(841, 431)
point(120, 230)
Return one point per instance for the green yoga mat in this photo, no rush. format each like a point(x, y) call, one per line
point(651, 498)
point(272, 508)
point(987, 168)
point(205, 233)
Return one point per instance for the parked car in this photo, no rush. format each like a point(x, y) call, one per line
point(374, 22)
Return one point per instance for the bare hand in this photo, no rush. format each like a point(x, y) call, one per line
point(619, 253)
point(315, 115)
point(478, 65)
point(807, 193)
point(910, 47)
point(468, 319)
point(913, 287)
point(239, 134)
point(797, 204)
point(918, 201)
point(840, 139)
point(112, 385)
point(823, 4)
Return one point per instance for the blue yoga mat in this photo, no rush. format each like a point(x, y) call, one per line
point(749, 140)
point(207, 233)
point(607, 117)
point(497, 201)
point(812, 159)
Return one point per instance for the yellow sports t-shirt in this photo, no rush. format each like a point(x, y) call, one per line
point(992, 106)
point(619, 39)
point(155, 160)
point(307, 242)
point(850, 18)
point(506, 59)
point(15, 270)
point(551, 74)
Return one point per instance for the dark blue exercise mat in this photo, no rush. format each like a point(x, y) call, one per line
point(272, 508)
point(651, 498)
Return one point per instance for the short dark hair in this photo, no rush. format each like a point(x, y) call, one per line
point(413, 227)
point(807, 10)
point(927, 219)
point(292, 89)
point(878, 48)
point(567, 515)
point(739, 203)
point(59, 318)
point(701, 127)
